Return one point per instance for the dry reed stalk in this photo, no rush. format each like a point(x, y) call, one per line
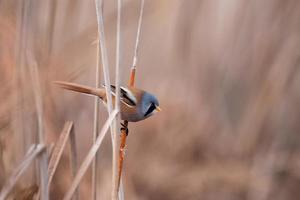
point(121, 190)
point(132, 77)
point(2, 166)
point(96, 128)
point(137, 42)
point(104, 58)
point(115, 181)
point(96, 125)
point(58, 151)
point(36, 88)
point(90, 156)
point(27, 193)
point(20, 63)
point(73, 159)
point(123, 137)
point(43, 165)
point(32, 153)
point(131, 83)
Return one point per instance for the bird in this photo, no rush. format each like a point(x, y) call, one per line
point(136, 104)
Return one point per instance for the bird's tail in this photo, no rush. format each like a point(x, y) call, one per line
point(81, 88)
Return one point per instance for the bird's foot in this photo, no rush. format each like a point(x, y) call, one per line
point(124, 128)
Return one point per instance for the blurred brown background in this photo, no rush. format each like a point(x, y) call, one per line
point(226, 74)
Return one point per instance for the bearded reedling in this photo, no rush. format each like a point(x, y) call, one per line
point(136, 104)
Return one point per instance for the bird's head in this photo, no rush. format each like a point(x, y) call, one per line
point(150, 105)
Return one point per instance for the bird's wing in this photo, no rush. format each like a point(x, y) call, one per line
point(126, 96)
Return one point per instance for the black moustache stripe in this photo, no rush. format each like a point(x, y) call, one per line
point(150, 110)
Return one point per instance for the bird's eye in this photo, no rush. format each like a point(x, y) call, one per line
point(150, 109)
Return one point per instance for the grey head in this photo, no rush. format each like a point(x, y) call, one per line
point(149, 105)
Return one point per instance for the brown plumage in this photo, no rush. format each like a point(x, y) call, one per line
point(136, 104)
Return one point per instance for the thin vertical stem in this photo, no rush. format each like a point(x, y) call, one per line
point(121, 154)
point(136, 47)
point(138, 35)
point(58, 151)
point(37, 93)
point(19, 62)
point(90, 156)
point(96, 127)
point(73, 158)
point(32, 153)
point(131, 84)
point(43, 165)
point(104, 58)
point(115, 185)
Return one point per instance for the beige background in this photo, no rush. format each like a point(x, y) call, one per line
point(226, 74)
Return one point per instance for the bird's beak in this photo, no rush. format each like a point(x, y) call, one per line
point(158, 109)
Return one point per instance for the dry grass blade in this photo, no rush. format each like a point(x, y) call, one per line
point(96, 127)
point(58, 150)
point(104, 57)
point(90, 156)
point(115, 174)
point(73, 159)
point(136, 48)
point(121, 155)
point(137, 42)
point(39, 109)
point(19, 74)
point(33, 151)
point(27, 193)
point(121, 160)
point(25, 57)
point(131, 84)
point(121, 190)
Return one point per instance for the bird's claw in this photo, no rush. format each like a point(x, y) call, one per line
point(124, 128)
